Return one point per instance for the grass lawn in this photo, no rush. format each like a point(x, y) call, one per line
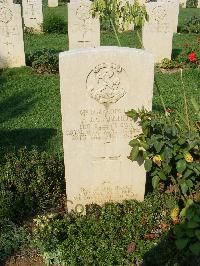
point(30, 103)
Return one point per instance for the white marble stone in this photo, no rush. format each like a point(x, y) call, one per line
point(52, 3)
point(183, 3)
point(157, 33)
point(83, 30)
point(198, 4)
point(32, 14)
point(11, 35)
point(173, 9)
point(97, 86)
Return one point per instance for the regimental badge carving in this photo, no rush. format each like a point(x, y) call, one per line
point(5, 15)
point(83, 12)
point(107, 83)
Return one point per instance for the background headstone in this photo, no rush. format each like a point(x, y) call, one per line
point(52, 3)
point(173, 9)
point(198, 4)
point(32, 14)
point(11, 36)
point(83, 30)
point(97, 87)
point(183, 3)
point(157, 33)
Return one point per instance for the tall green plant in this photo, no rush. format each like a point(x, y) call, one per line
point(120, 15)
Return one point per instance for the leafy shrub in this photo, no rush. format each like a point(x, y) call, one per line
point(190, 54)
point(54, 24)
point(115, 234)
point(171, 155)
point(169, 64)
point(192, 26)
point(12, 238)
point(188, 232)
point(30, 182)
point(44, 61)
point(191, 3)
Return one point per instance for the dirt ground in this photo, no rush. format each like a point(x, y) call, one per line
point(24, 260)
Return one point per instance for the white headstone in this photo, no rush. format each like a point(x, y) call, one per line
point(97, 86)
point(32, 14)
point(83, 30)
point(183, 3)
point(52, 3)
point(198, 4)
point(157, 33)
point(11, 36)
point(173, 9)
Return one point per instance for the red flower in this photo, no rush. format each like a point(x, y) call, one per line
point(192, 57)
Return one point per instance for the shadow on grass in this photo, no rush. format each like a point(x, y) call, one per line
point(175, 53)
point(16, 105)
point(11, 140)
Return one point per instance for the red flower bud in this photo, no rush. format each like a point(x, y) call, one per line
point(192, 57)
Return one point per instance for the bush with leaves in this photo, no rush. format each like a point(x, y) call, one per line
point(187, 233)
point(54, 24)
point(12, 239)
point(44, 61)
point(30, 182)
point(169, 64)
point(114, 234)
point(190, 54)
point(192, 26)
point(191, 3)
point(171, 155)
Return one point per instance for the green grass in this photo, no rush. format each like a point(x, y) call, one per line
point(186, 14)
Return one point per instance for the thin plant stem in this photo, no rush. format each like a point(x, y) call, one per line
point(185, 102)
point(162, 100)
point(115, 31)
point(139, 38)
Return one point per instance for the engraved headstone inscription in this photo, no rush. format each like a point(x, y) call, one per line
point(96, 130)
point(173, 9)
point(157, 33)
point(32, 14)
point(83, 29)
point(11, 36)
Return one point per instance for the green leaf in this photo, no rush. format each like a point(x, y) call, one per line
point(148, 165)
point(181, 243)
point(184, 188)
point(155, 181)
point(188, 173)
point(132, 114)
point(193, 225)
point(181, 166)
point(144, 145)
point(197, 233)
point(167, 154)
point(195, 248)
point(189, 183)
point(181, 141)
point(134, 153)
point(134, 142)
point(158, 146)
point(162, 176)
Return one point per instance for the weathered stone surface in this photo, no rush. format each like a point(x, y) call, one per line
point(157, 33)
point(97, 87)
point(11, 35)
point(83, 30)
point(173, 9)
point(52, 3)
point(198, 4)
point(183, 3)
point(32, 14)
